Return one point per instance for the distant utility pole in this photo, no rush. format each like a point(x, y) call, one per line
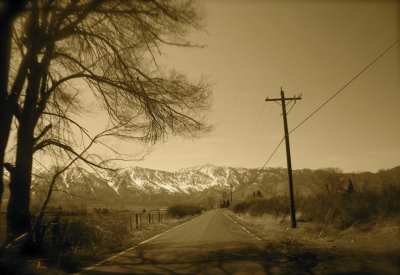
point(231, 193)
point(289, 161)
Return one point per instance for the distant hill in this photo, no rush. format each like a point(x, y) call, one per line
point(204, 185)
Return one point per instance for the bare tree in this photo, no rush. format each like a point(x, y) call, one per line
point(9, 9)
point(110, 49)
point(73, 158)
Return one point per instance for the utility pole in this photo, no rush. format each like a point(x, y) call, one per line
point(231, 193)
point(289, 161)
point(223, 202)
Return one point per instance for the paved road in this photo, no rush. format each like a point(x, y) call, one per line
point(214, 244)
point(209, 244)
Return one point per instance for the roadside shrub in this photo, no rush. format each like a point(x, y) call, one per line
point(344, 210)
point(276, 206)
point(89, 232)
point(241, 207)
point(340, 209)
point(182, 210)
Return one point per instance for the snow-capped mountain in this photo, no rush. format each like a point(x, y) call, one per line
point(186, 181)
point(206, 184)
point(138, 185)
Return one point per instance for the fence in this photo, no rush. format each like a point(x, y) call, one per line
point(138, 219)
point(135, 220)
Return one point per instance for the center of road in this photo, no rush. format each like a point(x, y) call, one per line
point(211, 243)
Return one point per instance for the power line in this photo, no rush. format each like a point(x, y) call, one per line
point(291, 107)
point(333, 96)
point(268, 133)
point(347, 84)
point(273, 153)
point(262, 168)
point(253, 140)
point(287, 59)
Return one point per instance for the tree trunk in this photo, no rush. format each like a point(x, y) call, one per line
point(4, 133)
point(10, 9)
point(18, 214)
point(5, 118)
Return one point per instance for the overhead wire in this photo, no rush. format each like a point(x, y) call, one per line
point(264, 143)
point(288, 59)
point(273, 153)
point(252, 140)
point(291, 107)
point(332, 97)
point(347, 84)
point(289, 56)
point(254, 143)
point(258, 138)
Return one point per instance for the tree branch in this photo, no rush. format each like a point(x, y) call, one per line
point(43, 133)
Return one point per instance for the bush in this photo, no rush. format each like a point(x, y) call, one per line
point(65, 239)
point(341, 209)
point(344, 210)
point(275, 206)
point(96, 232)
point(86, 233)
point(182, 210)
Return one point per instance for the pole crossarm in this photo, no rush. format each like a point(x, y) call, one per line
point(287, 98)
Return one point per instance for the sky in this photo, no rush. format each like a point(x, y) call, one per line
point(253, 48)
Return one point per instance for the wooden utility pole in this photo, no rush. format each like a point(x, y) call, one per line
point(289, 161)
point(231, 193)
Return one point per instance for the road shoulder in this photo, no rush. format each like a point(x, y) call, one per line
point(322, 250)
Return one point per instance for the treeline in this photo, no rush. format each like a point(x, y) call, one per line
point(341, 209)
point(182, 210)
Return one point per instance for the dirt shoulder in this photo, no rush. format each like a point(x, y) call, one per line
point(373, 249)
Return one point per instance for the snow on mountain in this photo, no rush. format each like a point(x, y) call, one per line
point(189, 180)
point(184, 181)
point(200, 184)
point(135, 184)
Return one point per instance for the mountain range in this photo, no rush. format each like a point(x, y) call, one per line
point(206, 185)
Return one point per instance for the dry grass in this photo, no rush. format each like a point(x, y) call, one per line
point(339, 209)
point(82, 240)
point(379, 237)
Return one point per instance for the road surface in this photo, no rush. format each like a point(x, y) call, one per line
point(213, 243)
point(209, 244)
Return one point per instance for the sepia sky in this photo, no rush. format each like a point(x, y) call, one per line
point(310, 47)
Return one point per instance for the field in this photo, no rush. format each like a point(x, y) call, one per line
point(375, 248)
point(332, 205)
point(346, 227)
